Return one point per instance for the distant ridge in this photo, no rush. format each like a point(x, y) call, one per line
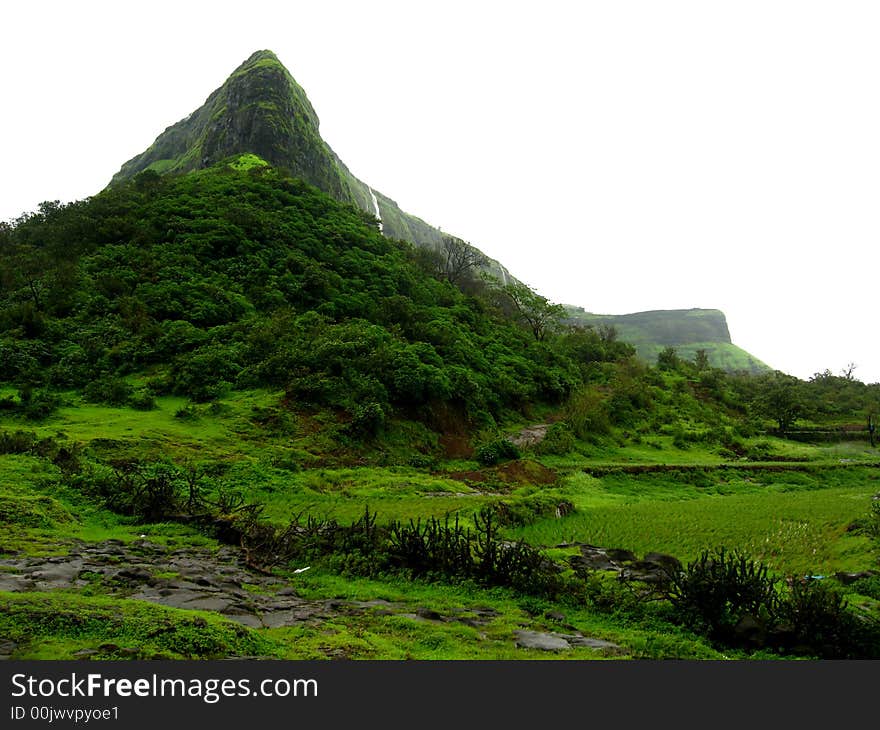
point(687, 330)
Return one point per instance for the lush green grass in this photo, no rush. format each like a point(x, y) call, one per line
point(159, 431)
point(795, 522)
point(372, 635)
point(659, 449)
point(392, 492)
point(41, 516)
point(246, 162)
point(56, 625)
point(267, 465)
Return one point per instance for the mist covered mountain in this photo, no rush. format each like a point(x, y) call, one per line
point(687, 330)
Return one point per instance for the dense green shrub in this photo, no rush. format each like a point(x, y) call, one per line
point(149, 491)
point(247, 279)
point(586, 412)
point(17, 442)
point(111, 390)
point(142, 400)
point(867, 587)
point(527, 510)
point(35, 405)
point(496, 451)
point(368, 420)
point(559, 440)
point(436, 549)
point(822, 625)
point(713, 593)
point(733, 600)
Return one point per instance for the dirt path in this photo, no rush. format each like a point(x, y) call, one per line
point(530, 435)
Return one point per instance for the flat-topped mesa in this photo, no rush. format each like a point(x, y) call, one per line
point(687, 330)
point(260, 109)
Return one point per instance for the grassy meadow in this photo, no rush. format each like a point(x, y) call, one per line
point(794, 512)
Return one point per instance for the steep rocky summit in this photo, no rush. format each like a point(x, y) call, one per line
point(262, 110)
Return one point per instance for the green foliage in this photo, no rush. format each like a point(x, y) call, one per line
point(18, 442)
point(873, 524)
point(587, 413)
point(236, 278)
point(559, 440)
point(780, 397)
point(67, 622)
point(734, 600)
point(668, 359)
point(142, 400)
point(820, 622)
point(35, 405)
point(535, 312)
point(239, 278)
point(448, 550)
point(152, 491)
point(496, 451)
point(368, 420)
point(529, 509)
point(590, 347)
point(719, 589)
point(867, 587)
point(42, 512)
point(110, 390)
point(247, 162)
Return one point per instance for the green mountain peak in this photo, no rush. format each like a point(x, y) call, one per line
point(261, 110)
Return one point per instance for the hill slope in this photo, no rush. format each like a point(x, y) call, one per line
point(239, 275)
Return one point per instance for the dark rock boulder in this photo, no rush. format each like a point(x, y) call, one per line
point(750, 631)
point(669, 563)
point(619, 555)
point(849, 578)
point(540, 641)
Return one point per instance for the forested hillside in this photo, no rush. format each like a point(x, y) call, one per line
point(240, 276)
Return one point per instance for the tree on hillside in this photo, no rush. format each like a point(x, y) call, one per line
point(25, 268)
point(667, 359)
point(701, 360)
point(607, 333)
point(534, 311)
point(586, 345)
point(458, 260)
point(780, 397)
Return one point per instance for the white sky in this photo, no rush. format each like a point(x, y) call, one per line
point(619, 155)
